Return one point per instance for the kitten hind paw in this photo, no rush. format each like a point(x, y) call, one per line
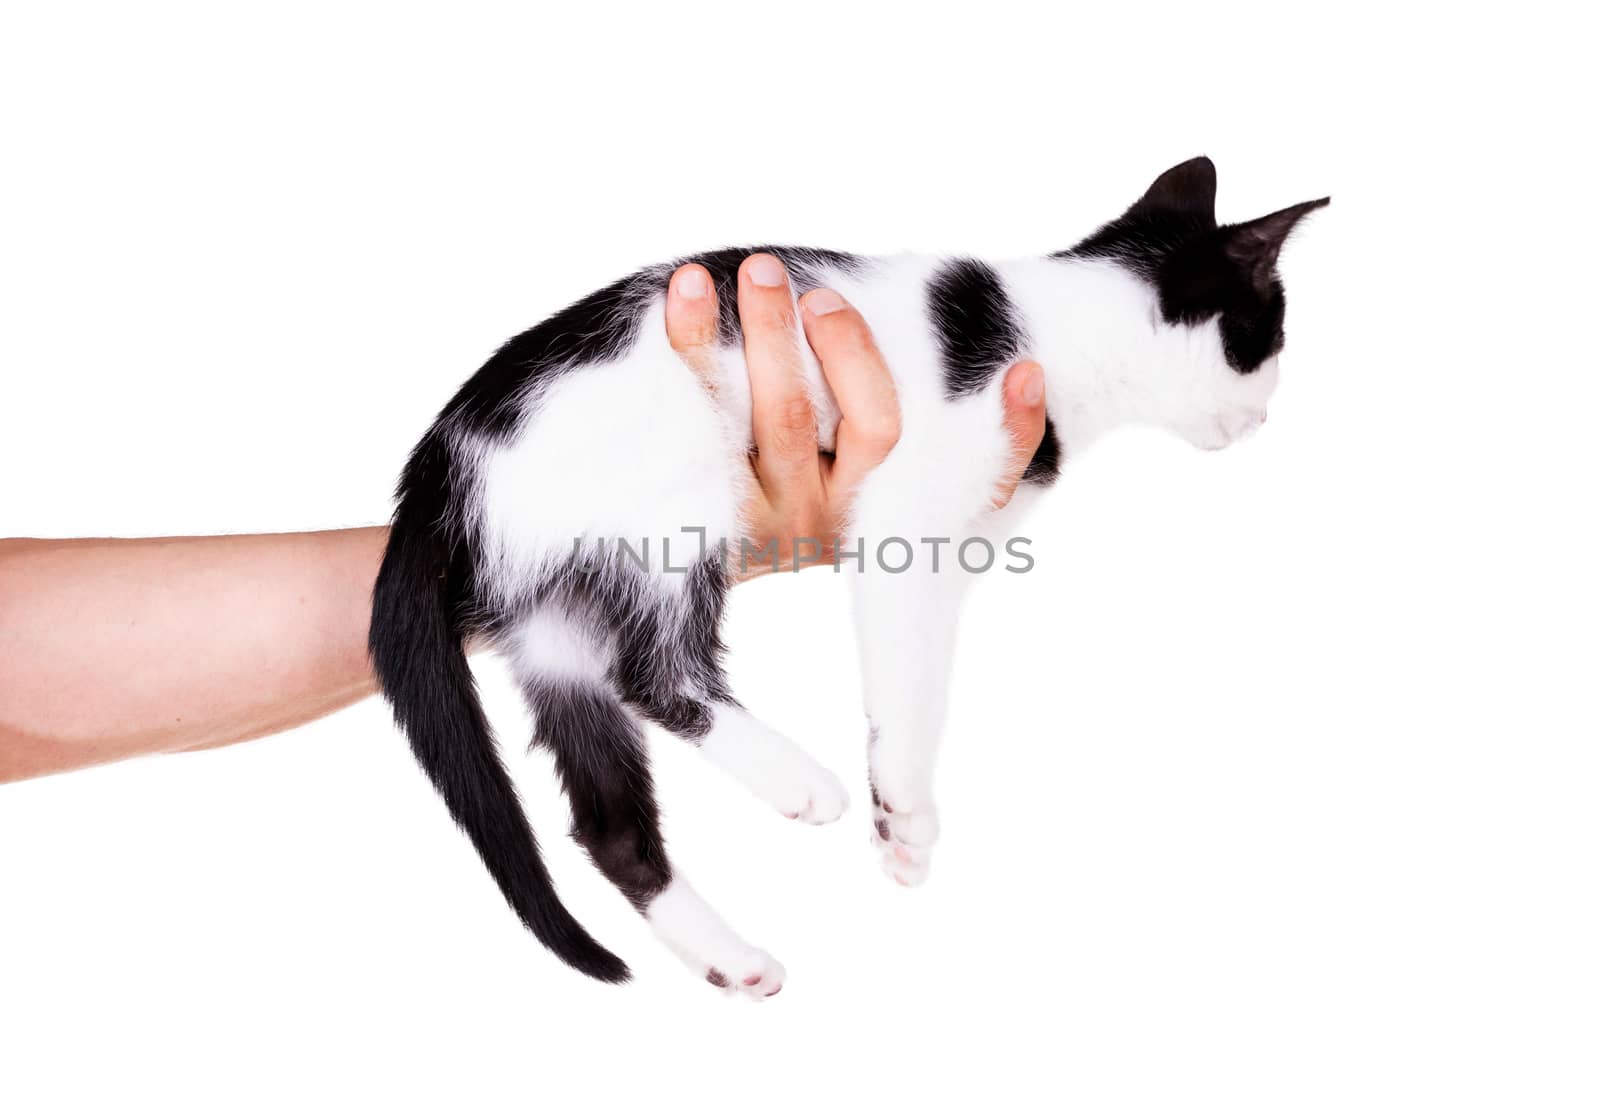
point(756, 976)
point(818, 798)
point(775, 769)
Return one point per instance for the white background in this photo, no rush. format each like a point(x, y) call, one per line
point(1276, 779)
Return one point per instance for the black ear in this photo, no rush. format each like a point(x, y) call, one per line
point(1189, 189)
point(1254, 246)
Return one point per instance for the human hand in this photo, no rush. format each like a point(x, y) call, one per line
point(801, 493)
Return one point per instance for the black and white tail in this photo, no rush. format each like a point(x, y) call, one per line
point(418, 653)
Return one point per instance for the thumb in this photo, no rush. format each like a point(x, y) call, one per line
point(1024, 419)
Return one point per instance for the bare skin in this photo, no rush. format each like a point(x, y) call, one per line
point(116, 648)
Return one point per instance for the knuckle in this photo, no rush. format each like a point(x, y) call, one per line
point(881, 432)
point(1023, 424)
point(803, 520)
point(794, 412)
point(794, 426)
point(689, 337)
point(690, 331)
point(846, 334)
point(1033, 432)
point(768, 316)
point(686, 340)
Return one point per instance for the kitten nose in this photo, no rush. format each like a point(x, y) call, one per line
point(1263, 419)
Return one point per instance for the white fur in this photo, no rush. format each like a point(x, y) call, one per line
point(699, 937)
point(773, 767)
point(549, 645)
point(634, 450)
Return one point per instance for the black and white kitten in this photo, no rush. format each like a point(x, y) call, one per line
point(587, 432)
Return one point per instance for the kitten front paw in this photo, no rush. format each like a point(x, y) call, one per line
point(904, 830)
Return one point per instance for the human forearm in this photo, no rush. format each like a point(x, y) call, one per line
point(112, 648)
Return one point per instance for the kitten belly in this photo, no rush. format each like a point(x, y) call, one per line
point(633, 450)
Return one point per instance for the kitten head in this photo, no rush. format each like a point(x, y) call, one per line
point(1219, 300)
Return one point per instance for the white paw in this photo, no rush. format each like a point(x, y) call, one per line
point(754, 974)
point(703, 941)
point(773, 767)
point(903, 836)
point(814, 794)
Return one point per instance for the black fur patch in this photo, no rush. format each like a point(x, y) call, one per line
point(976, 325)
point(1045, 466)
point(594, 329)
point(605, 771)
point(424, 501)
point(1252, 329)
point(1171, 240)
point(1176, 210)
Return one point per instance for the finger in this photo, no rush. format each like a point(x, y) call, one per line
point(1025, 421)
point(692, 321)
point(784, 422)
point(869, 425)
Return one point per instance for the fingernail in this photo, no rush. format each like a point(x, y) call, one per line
point(823, 301)
point(691, 283)
point(1033, 386)
point(765, 271)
